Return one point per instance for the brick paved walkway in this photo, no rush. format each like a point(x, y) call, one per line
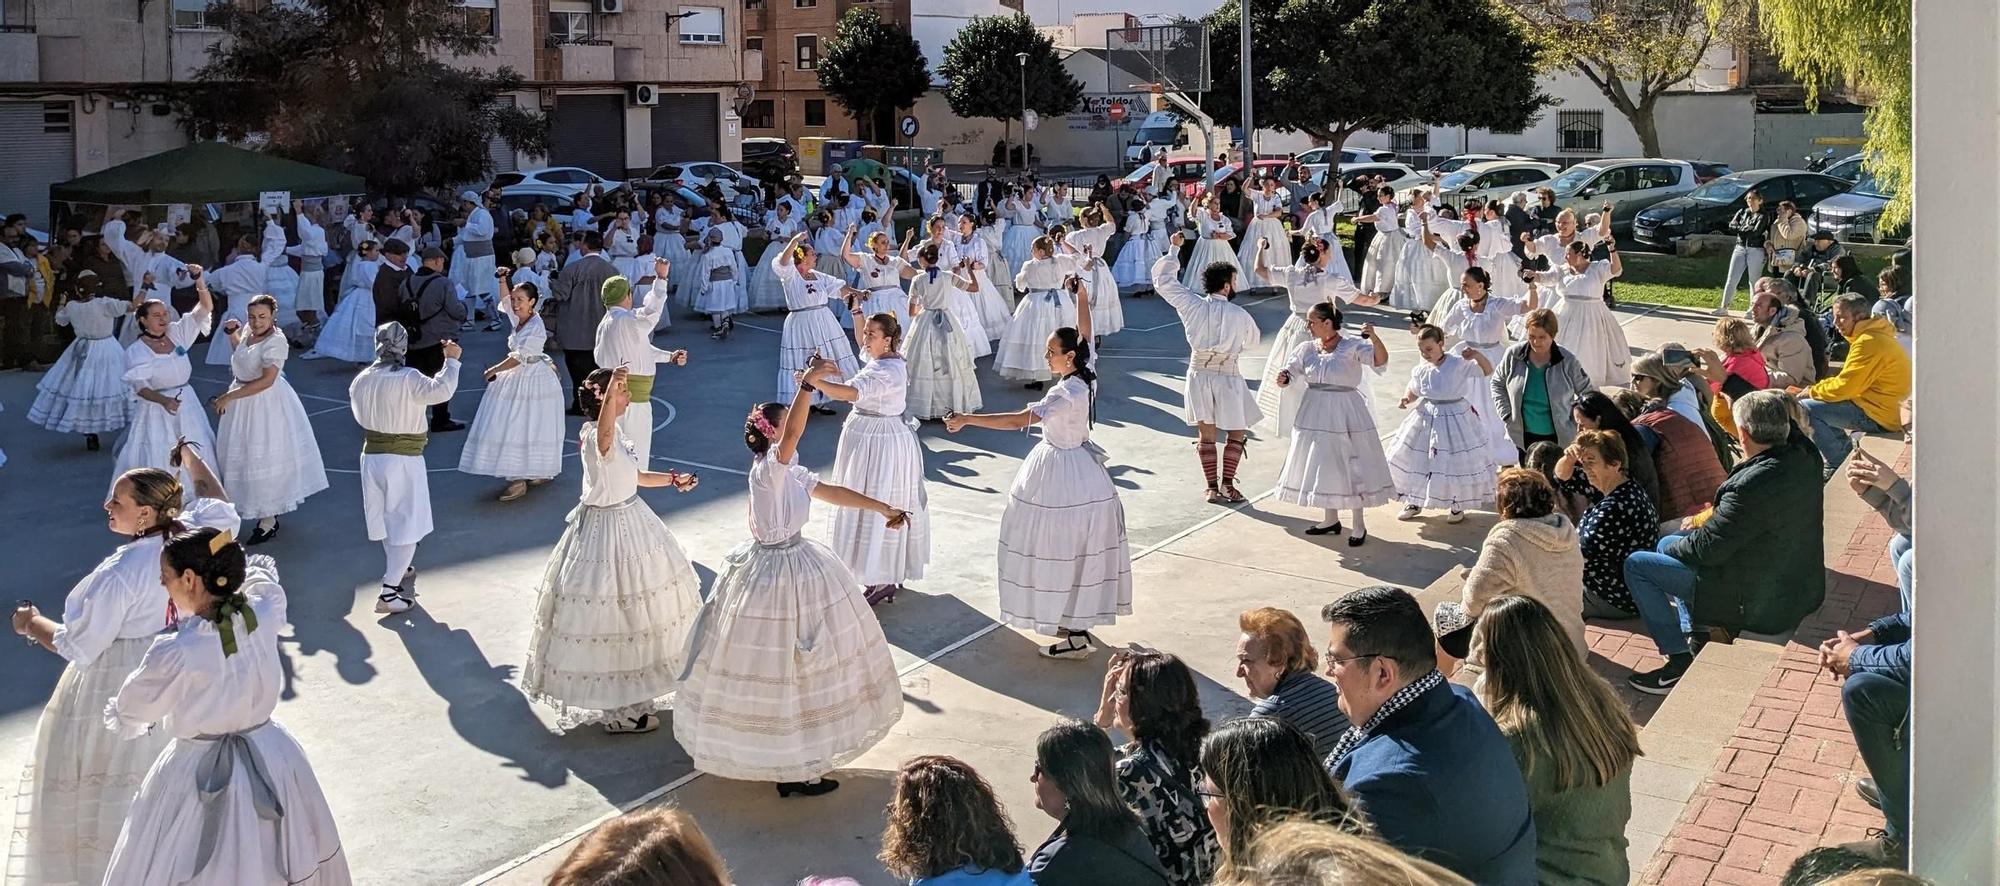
point(1784, 782)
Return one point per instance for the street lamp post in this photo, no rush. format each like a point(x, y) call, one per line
point(1022, 57)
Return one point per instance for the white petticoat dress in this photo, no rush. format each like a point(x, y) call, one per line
point(879, 457)
point(150, 439)
point(995, 311)
point(1107, 315)
point(85, 392)
point(1064, 559)
point(1589, 329)
point(1210, 249)
point(1278, 254)
point(615, 603)
point(788, 675)
point(232, 800)
point(1486, 330)
point(942, 376)
point(1336, 458)
point(1420, 279)
point(1385, 252)
point(518, 433)
point(1305, 286)
point(1441, 458)
point(266, 451)
point(76, 789)
point(349, 332)
point(1045, 306)
point(810, 327)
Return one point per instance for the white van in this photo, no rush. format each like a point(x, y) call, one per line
point(1163, 130)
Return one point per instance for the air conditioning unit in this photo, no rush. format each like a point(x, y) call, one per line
point(611, 7)
point(645, 95)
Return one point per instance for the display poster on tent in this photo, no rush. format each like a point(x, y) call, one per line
point(275, 202)
point(177, 214)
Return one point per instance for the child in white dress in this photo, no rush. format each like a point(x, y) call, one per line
point(719, 288)
point(232, 799)
point(1441, 458)
point(1475, 316)
point(618, 596)
point(518, 433)
point(879, 457)
point(1046, 284)
point(84, 392)
point(788, 676)
point(1336, 458)
point(266, 447)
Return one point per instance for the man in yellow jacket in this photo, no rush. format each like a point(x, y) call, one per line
point(1868, 392)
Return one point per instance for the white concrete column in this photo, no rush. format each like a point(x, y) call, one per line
point(1955, 829)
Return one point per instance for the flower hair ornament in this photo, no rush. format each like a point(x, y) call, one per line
point(762, 424)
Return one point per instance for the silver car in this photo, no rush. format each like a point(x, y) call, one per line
point(1628, 185)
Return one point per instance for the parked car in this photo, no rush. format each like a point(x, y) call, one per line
point(441, 212)
point(1453, 164)
point(700, 172)
point(1705, 172)
point(1185, 170)
point(770, 159)
point(576, 178)
point(1707, 209)
point(1628, 185)
point(1401, 176)
point(1848, 169)
point(1855, 215)
point(1490, 180)
point(1315, 161)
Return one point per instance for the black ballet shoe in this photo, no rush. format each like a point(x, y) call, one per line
point(1033, 386)
point(91, 444)
point(1331, 529)
point(822, 410)
point(807, 788)
point(261, 535)
point(880, 594)
point(1357, 540)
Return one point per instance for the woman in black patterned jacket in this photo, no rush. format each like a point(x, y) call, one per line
point(1152, 697)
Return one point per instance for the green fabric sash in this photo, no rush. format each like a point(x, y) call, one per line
point(379, 443)
point(641, 387)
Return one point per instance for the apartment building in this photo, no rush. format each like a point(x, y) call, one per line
point(630, 83)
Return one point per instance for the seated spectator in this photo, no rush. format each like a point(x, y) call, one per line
point(1619, 523)
point(947, 829)
point(644, 847)
point(1098, 839)
point(1892, 286)
point(1278, 664)
point(1152, 697)
point(1808, 312)
point(1684, 457)
point(1875, 665)
point(1532, 551)
point(1303, 852)
point(1869, 390)
point(1780, 335)
point(1432, 772)
point(1597, 412)
point(1572, 736)
point(1736, 350)
point(1259, 771)
point(1755, 564)
point(1669, 375)
point(1542, 458)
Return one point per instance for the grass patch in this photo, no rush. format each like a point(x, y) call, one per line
point(1694, 282)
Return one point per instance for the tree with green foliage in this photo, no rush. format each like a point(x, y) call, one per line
point(340, 84)
point(1331, 68)
point(1864, 45)
point(1632, 52)
point(983, 73)
point(871, 68)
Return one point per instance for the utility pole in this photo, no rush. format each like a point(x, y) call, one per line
point(1022, 57)
point(1249, 127)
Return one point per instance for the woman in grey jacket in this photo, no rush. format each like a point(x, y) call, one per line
point(1535, 384)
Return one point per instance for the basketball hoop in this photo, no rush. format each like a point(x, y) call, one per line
point(1156, 88)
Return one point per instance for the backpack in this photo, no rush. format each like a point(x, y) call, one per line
point(409, 300)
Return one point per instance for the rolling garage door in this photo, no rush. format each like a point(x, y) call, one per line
point(497, 150)
point(686, 127)
point(589, 131)
point(41, 151)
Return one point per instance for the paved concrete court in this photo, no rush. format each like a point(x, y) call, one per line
point(439, 771)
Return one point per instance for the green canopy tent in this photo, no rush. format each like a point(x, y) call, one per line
point(204, 172)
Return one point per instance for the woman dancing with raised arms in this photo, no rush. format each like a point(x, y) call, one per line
point(518, 433)
point(1320, 276)
point(157, 369)
point(810, 326)
point(1336, 459)
point(232, 800)
point(266, 447)
point(879, 457)
point(618, 596)
point(82, 778)
point(788, 676)
point(881, 275)
point(1065, 566)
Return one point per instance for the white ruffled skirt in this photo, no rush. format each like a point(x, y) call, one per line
point(267, 454)
point(518, 432)
point(788, 675)
point(767, 292)
point(994, 311)
point(1441, 458)
point(942, 376)
point(611, 617)
point(1591, 332)
point(879, 456)
point(1023, 351)
point(1378, 268)
point(1107, 316)
point(1277, 255)
point(1419, 279)
point(349, 332)
point(1064, 559)
point(1336, 458)
point(162, 836)
point(965, 312)
point(718, 297)
point(150, 438)
point(808, 332)
point(85, 392)
point(1206, 252)
point(76, 789)
point(1017, 242)
point(1134, 267)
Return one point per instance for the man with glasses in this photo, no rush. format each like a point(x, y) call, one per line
point(1433, 771)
